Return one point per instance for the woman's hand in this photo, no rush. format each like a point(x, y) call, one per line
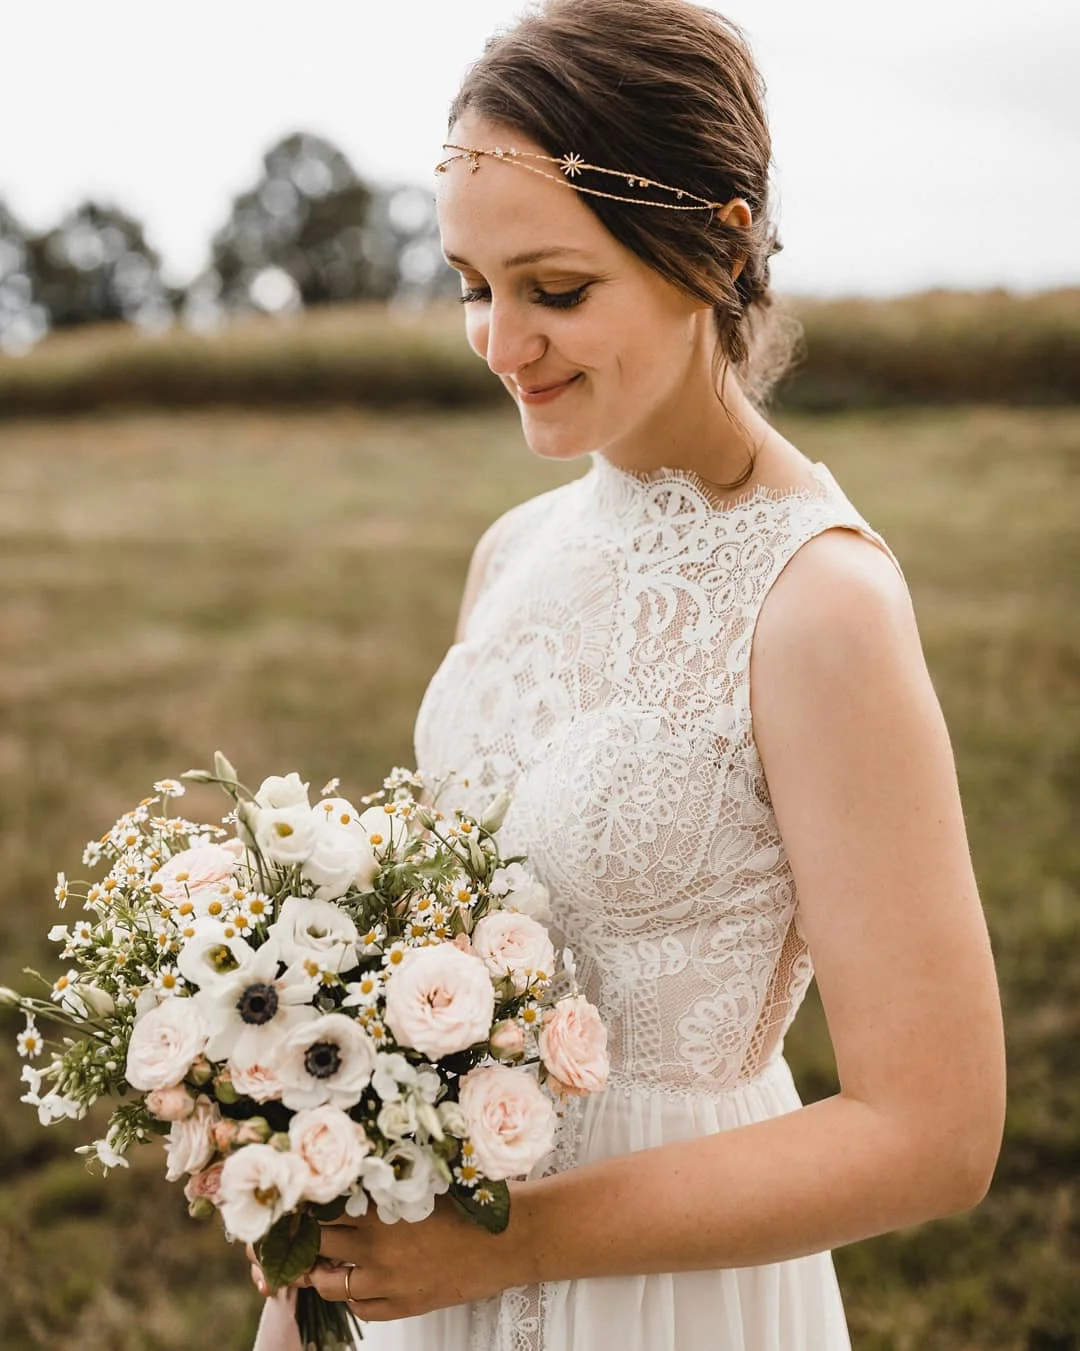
point(387, 1271)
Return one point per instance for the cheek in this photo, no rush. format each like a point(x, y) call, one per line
point(476, 329)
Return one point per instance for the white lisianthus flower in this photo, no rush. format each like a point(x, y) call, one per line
point(327, 1062)
point(258, 1185)
point(511, 1120)
point(397, 1119)
point(250, 1010)
point(394, 1077)
point(334, 862)
point(452, 1119)
point(439, 1000)
point(211, 955)
point(190, 1143)
point(384, 836)
point(334, 1148)
point(522, 891)
point(514, 945)
point(285, 834)
point(404, 1183)
point(282, 791)
point(316, 931)
point(164, 1043)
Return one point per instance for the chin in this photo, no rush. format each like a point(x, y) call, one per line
point(556, 443)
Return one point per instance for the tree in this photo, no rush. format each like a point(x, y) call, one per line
point(95, 266)
point(23, 319)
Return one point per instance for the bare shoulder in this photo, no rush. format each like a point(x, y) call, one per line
point(839, 599)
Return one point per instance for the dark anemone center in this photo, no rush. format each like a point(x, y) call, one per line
point(323, 1059)
point(258, 1004)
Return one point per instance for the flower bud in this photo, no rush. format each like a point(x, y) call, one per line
point(507, 1041)
point(224, 1090)
point(200, 1074)
point(280, 1141)
point(98, 1001)
point(495, 812)
point(201, 1209)
point(255, 1131)
point(223, 769)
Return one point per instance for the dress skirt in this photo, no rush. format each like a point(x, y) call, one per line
point(786, 1306)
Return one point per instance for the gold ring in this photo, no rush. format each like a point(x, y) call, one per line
point(349, 1296)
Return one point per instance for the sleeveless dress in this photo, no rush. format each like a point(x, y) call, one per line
point(603, 678)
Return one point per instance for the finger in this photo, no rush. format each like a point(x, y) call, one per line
point(259, 1280)
point(335, 1283)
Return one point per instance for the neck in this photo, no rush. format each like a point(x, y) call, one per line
point(692, 430)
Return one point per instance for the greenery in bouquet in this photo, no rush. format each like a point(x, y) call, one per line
point(320, 1009)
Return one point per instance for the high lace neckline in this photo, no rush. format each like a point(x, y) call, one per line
point(620, 487)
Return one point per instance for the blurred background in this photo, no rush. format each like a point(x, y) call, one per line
point(245, 453)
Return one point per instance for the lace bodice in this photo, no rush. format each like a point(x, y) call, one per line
point(604, 678)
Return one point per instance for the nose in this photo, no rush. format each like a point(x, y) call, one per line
point(513, 338)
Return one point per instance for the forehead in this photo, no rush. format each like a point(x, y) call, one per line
point(500, 209)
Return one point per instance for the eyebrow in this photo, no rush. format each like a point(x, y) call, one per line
point(523, 259)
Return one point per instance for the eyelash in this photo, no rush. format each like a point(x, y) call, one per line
point(554, 300)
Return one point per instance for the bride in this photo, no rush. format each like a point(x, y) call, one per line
point(697, 668)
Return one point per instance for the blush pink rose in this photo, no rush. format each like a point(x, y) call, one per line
point(440, 1000)
point(512, 944)
point(165, 1043)
point(257, 1082)
point(170, 1104)
point(511, 1121)
point(573, 1046)
point(191, 1144)
point(333, 1146)
point(507, 1041)
point(196, 871)
point(204, 1185)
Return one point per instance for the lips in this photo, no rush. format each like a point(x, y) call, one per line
point(543, 393)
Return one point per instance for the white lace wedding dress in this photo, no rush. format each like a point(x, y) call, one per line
point(604, 678)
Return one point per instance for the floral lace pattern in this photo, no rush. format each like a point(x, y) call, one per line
point(604, 675)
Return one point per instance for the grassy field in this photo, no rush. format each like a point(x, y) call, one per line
point(283, 585)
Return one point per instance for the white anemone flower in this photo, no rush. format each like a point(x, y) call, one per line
point(328, 1062)
point(251, 1009)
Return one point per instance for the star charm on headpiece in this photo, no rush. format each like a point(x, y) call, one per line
point(571, 166)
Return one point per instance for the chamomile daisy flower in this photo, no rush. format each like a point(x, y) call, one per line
point(30, 1041)
point(169, 981)
point(61, 891)
point(170, 788)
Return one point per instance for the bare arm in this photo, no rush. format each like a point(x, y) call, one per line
point(863, 783)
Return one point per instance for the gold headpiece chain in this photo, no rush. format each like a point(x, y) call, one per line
point(571, 166)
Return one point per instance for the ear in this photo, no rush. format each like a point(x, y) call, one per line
point(737, 214)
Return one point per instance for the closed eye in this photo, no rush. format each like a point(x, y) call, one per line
point(555, 300)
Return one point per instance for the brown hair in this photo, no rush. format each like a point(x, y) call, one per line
point(670, 92)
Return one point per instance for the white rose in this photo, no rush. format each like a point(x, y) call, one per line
point(255, 1081)
point(404, 1183)
point(278, 791)
point(327, 1062)
point(334, 863)
point(512, 944)
point(164, 1043)
point(511, 1120)
point(333, 1146)
point(285, 834)
point(440, 1000)
point(522, 891)
point(190, 1145)
point(258, 1185)
point(318, 931)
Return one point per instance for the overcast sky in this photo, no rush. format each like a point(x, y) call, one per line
point(935, 142)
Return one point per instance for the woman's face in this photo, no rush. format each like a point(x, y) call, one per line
point(595, 347)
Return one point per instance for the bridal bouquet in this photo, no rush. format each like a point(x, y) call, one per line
point(321, 1010)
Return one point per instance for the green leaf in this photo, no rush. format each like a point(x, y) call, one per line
point(289, 1249)
point(332, 1210)
point(493, 1215)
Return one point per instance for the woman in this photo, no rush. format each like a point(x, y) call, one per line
point(698, 669)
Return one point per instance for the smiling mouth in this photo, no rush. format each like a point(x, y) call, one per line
point(541, 393)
